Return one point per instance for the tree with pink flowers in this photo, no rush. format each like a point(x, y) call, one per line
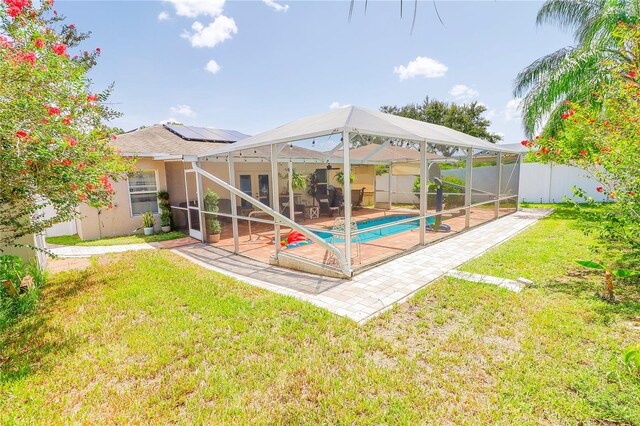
point(604, 139)
point(54, 141)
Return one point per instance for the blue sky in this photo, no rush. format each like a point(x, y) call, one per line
point(277, 61)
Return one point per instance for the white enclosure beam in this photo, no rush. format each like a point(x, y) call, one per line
point(347, 198)
point(292, 212)
point(275, 197)
point(234, 207)
point(467, 187)
point(423, 190)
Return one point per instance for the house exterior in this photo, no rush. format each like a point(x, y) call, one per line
point(152, 147)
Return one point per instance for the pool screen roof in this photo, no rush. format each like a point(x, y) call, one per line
point(365, 122)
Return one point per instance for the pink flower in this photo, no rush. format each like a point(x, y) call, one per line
point(29, 57)
point(22, 134)
point(39, 43)
point(583, 152)
point(599, 189)
point(113, 136)
point(53, 110)
point(92, 98)
point(59, 49)
point(14, 11)
point(72, 142)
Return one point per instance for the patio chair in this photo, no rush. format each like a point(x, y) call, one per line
point(326, 209)
point(298, 210)
point(339, 225)
point(357, 196)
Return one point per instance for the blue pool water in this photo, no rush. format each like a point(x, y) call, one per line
point(379, 233)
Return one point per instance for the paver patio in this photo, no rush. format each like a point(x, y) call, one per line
point(377, 289)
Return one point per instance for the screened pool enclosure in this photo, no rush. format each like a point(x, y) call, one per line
point(338, 192)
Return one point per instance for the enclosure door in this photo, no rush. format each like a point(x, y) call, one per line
point(193, 210)
point(256, 186)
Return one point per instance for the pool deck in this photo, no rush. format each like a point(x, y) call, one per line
point(375, 290)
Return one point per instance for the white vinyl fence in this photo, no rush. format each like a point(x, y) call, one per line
point(59, 229)
point(539, 183)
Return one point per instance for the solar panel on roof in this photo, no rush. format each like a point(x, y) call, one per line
point(205, 134)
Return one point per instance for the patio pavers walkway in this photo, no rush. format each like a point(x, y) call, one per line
point(375, 290)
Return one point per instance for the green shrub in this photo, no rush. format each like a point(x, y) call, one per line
point(14, 270)
point(211, 200)
point(449, 200)
point(147, 220)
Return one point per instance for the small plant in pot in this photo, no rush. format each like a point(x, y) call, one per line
point(165, 221)
point(211, 220)
point(148, 222)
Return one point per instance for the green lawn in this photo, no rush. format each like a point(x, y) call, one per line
point(148, 337)
point(74, 240)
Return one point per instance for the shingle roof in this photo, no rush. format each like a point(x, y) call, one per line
point(158, 140)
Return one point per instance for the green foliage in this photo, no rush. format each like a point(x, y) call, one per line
point(147, 220)
point(54, 148)
point(631, 358)
point(340, 177)
point(602, 139)
point(14, 270)
point(575, 72)
point(165, 217)
point(452, 185)
point(298, 180)
point(466, 118)
point(212, 223)
point(590, 264)
point(74, 240)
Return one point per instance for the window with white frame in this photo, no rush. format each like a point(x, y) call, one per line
point(143, 190)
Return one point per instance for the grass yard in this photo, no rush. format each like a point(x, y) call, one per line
point(74, 240)
point(150, 338)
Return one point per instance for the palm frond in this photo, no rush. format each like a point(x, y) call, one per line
point(568, 14)
point(537, 70)
point(574, 78)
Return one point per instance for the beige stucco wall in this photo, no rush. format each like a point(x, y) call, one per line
point(118, 220)
point(25, 253)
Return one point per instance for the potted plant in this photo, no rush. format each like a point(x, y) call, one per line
point(165, 211)
point(148, 222)
point(340, 178)
point(165, 220)
point(211, 220)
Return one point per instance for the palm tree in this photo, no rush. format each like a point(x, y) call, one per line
point(573, 73)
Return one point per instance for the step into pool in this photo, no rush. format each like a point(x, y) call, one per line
point(384, 232)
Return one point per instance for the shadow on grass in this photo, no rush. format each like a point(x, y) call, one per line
point(587, 285)
point(30, 343)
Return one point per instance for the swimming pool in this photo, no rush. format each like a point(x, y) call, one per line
point(384, 232)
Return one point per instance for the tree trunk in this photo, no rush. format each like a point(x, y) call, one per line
point(608, 285)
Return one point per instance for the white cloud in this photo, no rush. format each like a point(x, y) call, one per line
point(512, 110)
point(213, 34)
point(422, 66)
point(163, 16)
point(277, 6)
point(336, 105)
point(183, 110)
point(195, 8)
point(170, 120)
point(462, 92)
point(212, 66)
point(490, 114)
